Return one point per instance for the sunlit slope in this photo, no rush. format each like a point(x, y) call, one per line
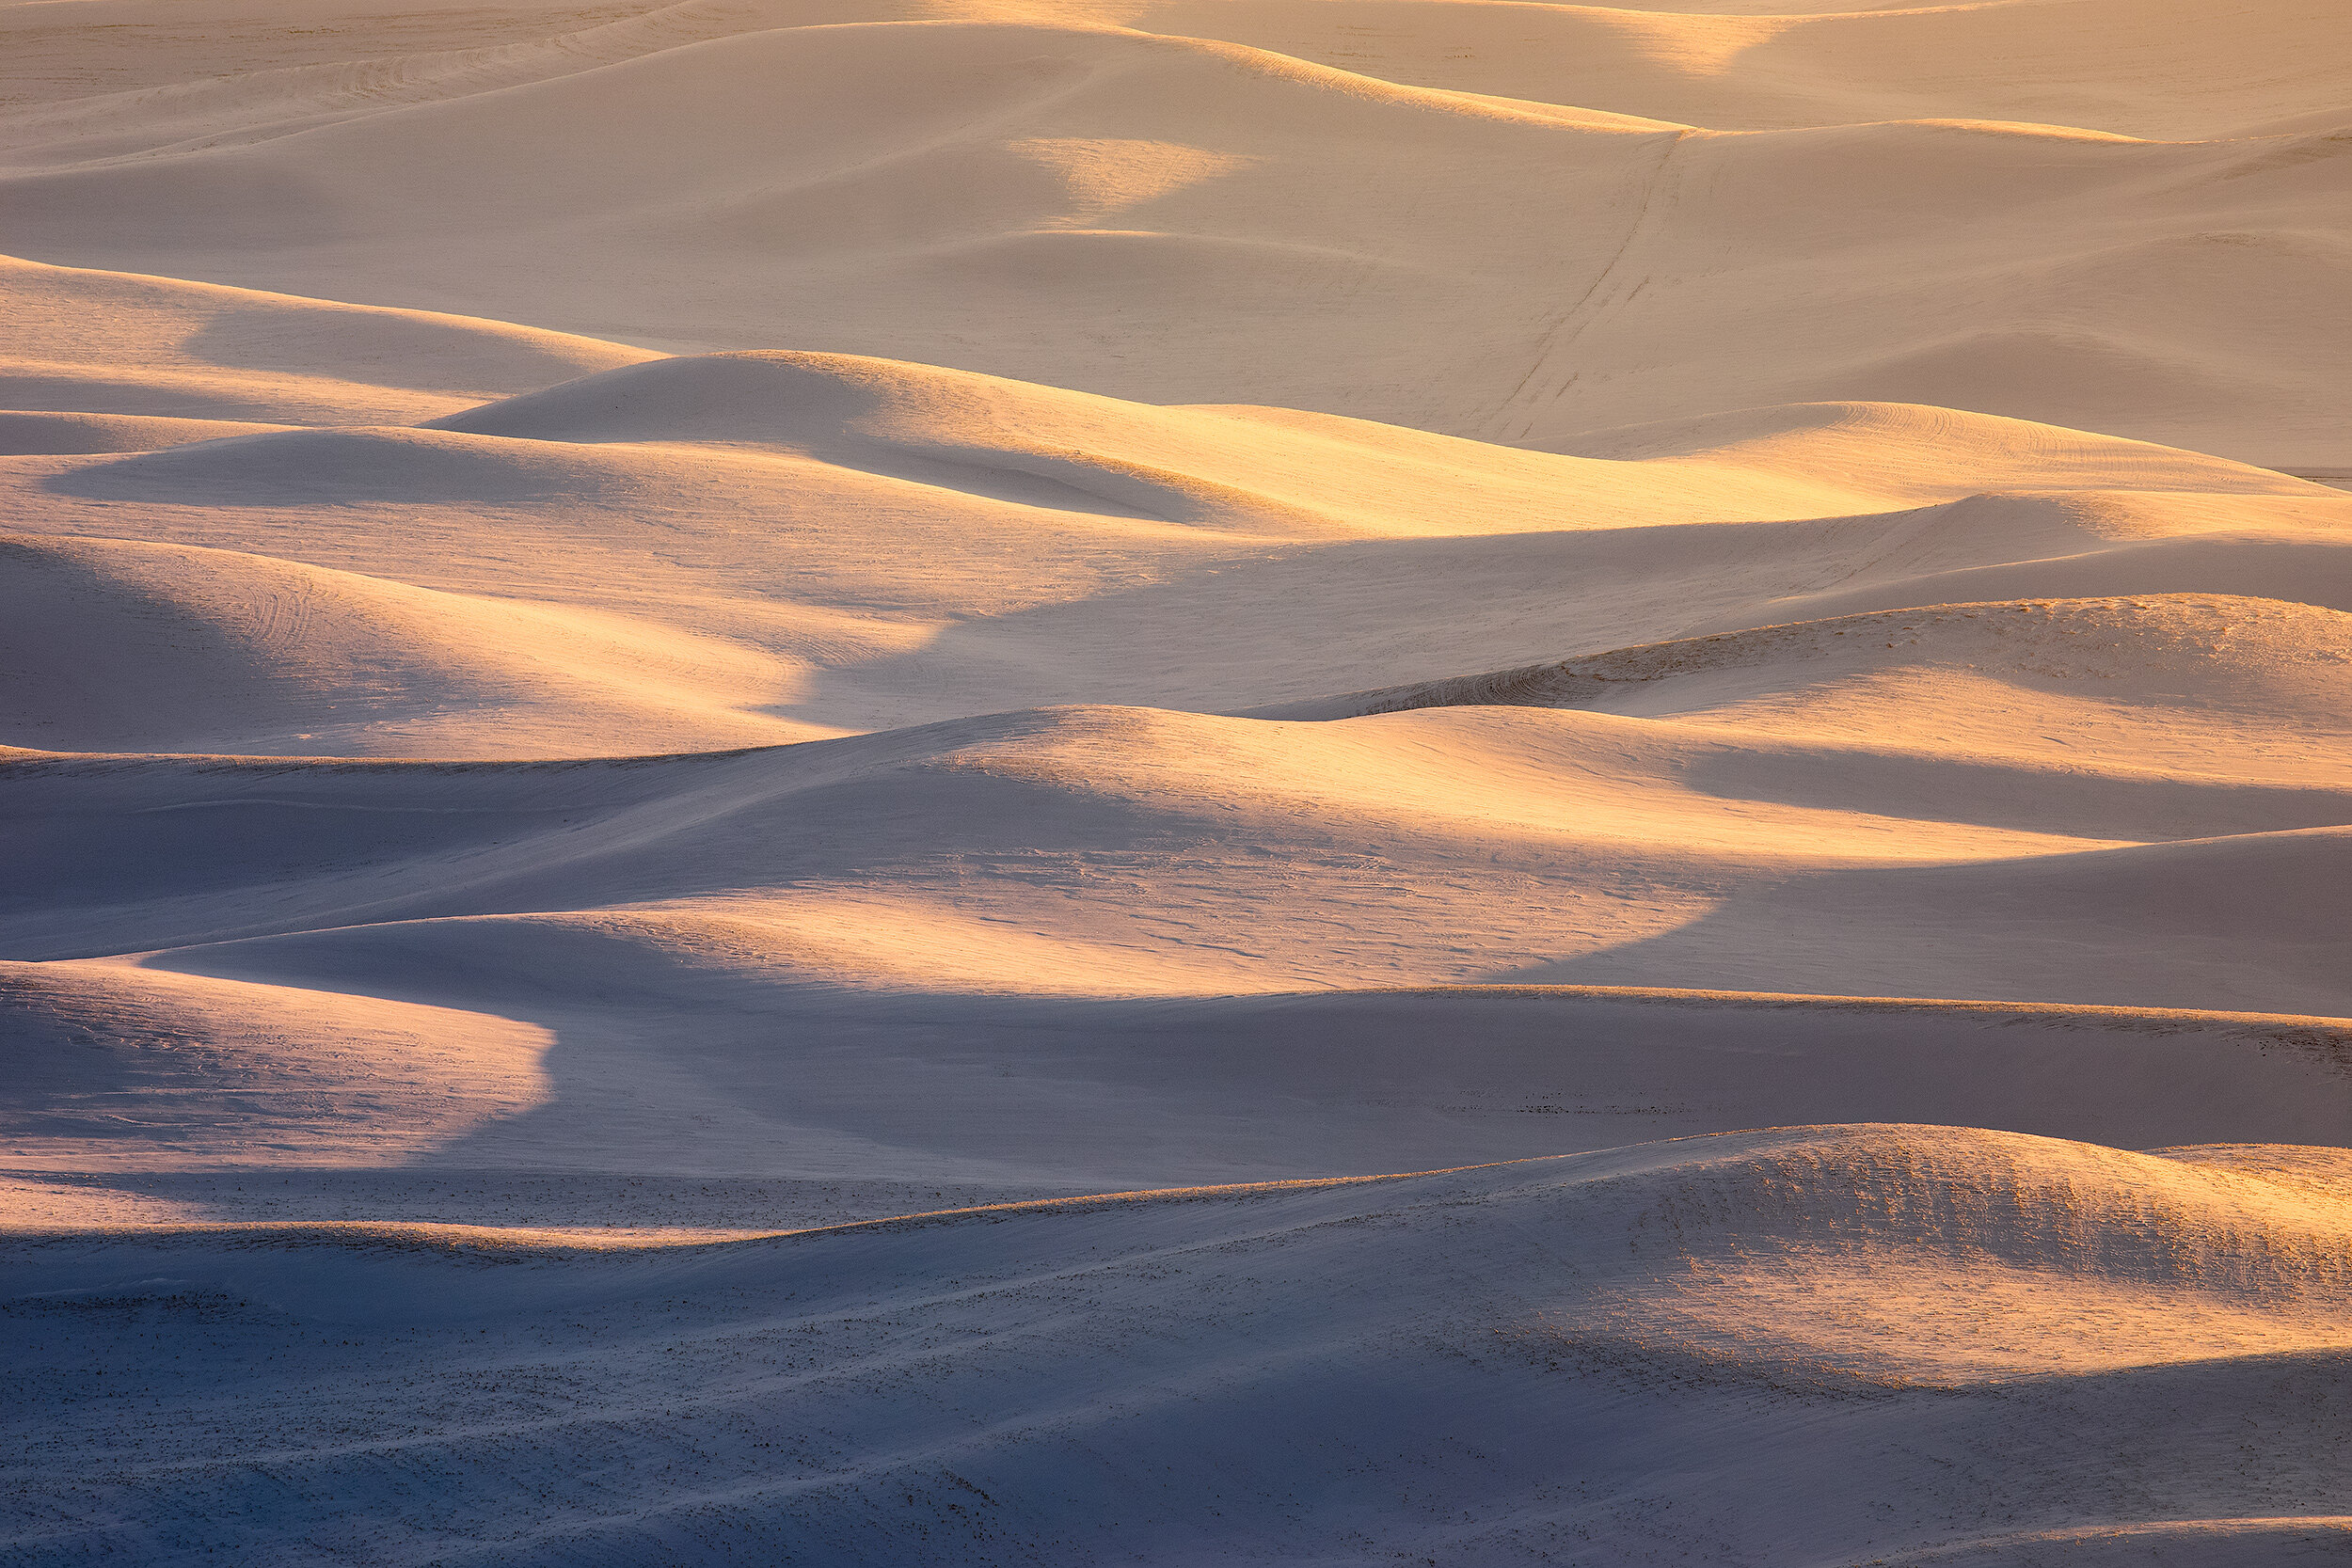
point(1106, 850)
point(1560, 1246)
point(134, 74)
point(718, 1045)
point(1166, 214)
point(1692, 626)
point(835, 543)
point(2004, 1332)
point(44, 434)
point(2174, 71)
point(1275, 470)
point(105, 343)
point(113, 1067)
point(106, 645)
point(2183, 686)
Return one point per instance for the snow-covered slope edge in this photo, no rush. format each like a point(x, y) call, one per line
point(2013, 1335)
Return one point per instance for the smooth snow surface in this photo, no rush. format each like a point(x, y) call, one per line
point(1176, 781)
point(1509, 221)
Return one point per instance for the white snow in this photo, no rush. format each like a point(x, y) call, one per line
point(1191, 782)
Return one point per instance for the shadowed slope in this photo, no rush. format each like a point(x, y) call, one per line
point(108, 645)
point(556, 1112)
point(80, 341)
point(1123, 850)
point(24, 434)
point(2012, 1335)
point(2184, 684)
point(2173, 71)
point(1178, 218)
point(1275, 470)
point(905, 543)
